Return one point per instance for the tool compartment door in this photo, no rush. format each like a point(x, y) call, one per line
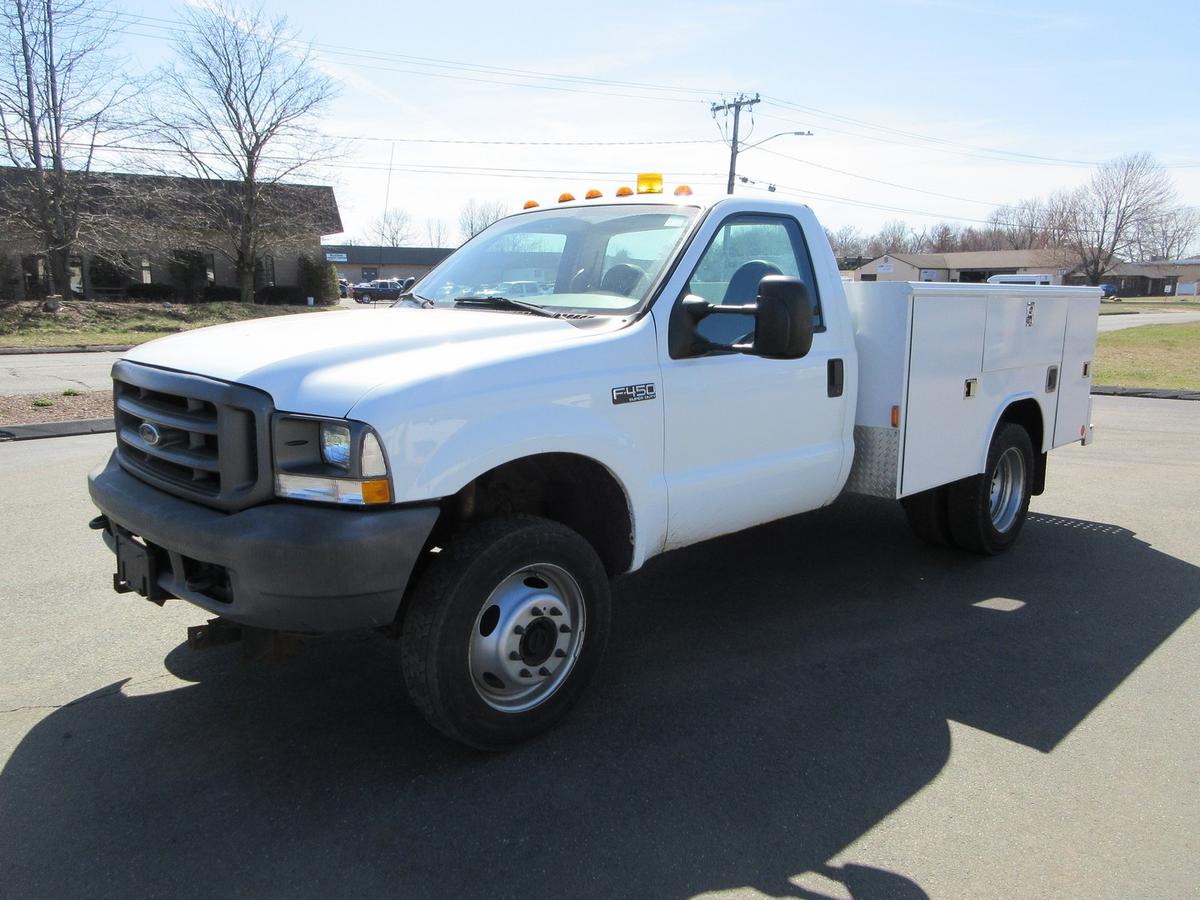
point(1075, 379)
point(942, 425)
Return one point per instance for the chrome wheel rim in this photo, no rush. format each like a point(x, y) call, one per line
point(1008, 489)
point(526, 638)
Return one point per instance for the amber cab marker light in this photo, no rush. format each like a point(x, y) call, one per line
point(530, 204)
point(625, 191)
point(650, 183)
point(592, 194)
point(683, 191)
point(895, 417)
point(565, 197)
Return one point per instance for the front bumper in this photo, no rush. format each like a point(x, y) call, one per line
point(286, 566)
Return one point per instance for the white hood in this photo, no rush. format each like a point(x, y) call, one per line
point(322, 363)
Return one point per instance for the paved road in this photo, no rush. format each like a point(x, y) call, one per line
point(1119, 322)
point(53, 373)
point(819, 707)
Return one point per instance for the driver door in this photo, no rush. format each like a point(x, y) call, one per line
point(748, 440)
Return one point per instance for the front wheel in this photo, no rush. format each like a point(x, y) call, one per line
point(504, 630)
point(986, 511)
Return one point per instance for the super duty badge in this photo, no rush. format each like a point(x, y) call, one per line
point(632, 393)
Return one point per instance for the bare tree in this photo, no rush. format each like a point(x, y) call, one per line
point(894, 237)
point(846, 241)
point(237, 110)
point(1102, 218)
point(393, 229)
point(1020, 225)
point(941, 238)
point(60, 94)
point(437, 234)
point(477, 215)
point(1170, 235)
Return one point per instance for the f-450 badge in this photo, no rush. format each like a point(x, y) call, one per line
point(632, 393)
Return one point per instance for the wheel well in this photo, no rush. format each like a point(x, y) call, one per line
point(574, 490)
point(1028, 414)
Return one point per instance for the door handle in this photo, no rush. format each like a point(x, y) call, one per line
point(836, 377)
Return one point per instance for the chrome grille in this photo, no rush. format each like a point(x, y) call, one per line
point(196, 437)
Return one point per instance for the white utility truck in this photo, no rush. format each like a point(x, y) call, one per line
point(466, 471)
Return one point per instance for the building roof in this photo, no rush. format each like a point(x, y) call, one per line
point(357, 254)
point(1159, 268)
point(982, 259)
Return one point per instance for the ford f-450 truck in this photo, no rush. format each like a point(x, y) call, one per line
point(467, 471)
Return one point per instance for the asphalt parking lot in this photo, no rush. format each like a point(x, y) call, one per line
point(821, 707)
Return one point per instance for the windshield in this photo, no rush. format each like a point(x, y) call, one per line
point(602, 259)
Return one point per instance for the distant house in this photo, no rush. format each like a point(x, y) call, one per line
point(969, 266)
point(154, 229)
point(358, 263)
point(1157, 278)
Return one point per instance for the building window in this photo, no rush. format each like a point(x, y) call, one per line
point(147, 273)
point(369, 273)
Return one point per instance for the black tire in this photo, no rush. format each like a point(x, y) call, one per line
point(928, 517)
point(439, 630)
point(974, 524)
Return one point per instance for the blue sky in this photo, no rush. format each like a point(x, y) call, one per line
point(940, 98)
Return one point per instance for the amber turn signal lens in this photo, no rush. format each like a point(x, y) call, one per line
point(565, 197)
point(624, 192)
point(895, 417)
point(530, 204)
point(592, 194)
point(683, 191)
point(376, 491)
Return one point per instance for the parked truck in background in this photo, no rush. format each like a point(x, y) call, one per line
point(467, 471)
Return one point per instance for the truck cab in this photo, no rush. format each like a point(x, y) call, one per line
point(469, 473)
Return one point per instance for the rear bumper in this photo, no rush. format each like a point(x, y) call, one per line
point(286, 566)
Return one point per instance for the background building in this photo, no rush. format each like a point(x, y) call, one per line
point(1157, 278)
point(358, 263)
point(970, 266)
point(155, 229)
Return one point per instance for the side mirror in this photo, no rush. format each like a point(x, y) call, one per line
point(783, 322)
point(783, 318)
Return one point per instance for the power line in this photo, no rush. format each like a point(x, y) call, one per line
point(894, 184)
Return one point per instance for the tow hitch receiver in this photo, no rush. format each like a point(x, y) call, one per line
point(215, 634)
point(258, 644)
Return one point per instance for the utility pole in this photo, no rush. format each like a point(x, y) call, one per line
point(736, 105)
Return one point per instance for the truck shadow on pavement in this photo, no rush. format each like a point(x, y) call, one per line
point(767, 699)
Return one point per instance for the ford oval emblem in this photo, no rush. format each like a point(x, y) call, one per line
point(150, 434)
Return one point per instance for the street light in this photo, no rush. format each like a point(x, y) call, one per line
point(737, 149)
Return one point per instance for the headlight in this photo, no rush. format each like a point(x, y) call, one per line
point(329, 461)
point(335, 445)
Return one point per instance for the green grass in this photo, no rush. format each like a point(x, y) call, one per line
point(94, 323)
point(71, 392)
point(1150, 356)
point(42, 402)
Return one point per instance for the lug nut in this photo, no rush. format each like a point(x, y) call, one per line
point(519, 630)
point(524, 673)
point(543, 671)
point(536, 611)
point(514, 655)
point(564, 629)
point(560, 653)
point(555, 611)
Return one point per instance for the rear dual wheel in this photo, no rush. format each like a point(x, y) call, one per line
point(504, 630)
point(984, 513)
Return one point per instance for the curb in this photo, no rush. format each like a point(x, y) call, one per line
point(78, 348)
point(56, 429)
point(1152, 393)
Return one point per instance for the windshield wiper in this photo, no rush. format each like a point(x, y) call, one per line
point(413, 295)
point(507, 303)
